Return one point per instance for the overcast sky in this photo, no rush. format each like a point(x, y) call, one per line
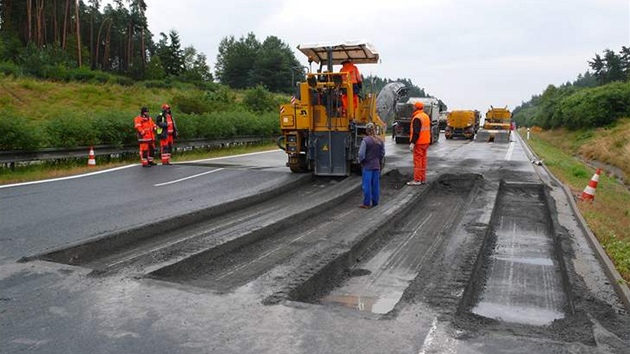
point(470, 54)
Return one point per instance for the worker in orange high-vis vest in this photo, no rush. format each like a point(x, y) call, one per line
point(419, 138)
point(167, 132)
point(145, 131)
point(355, 79)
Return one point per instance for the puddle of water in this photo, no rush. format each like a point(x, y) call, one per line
point(528, 260)
point(378, 305)
point(531, 315)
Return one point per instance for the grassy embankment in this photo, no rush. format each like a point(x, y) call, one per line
point(608, 216)
point(41, 100)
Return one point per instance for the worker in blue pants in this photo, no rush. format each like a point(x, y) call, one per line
point(371, 155)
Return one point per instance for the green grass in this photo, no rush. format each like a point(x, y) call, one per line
point(608, 216)
point(39, 99)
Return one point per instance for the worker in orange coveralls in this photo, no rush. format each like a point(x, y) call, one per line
point(355, 78)
point(167, 132)
point(420, 138)
point(145, 129)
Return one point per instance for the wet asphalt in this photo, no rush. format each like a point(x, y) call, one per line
point(536, 285)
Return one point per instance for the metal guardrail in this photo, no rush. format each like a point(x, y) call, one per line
point(9, 158)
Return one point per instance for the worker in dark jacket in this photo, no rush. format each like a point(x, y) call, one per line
point(420, 138)
point(145, 130)
point(371, 155)
point(167, 132)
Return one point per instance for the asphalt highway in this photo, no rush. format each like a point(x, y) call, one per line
point(239, 255)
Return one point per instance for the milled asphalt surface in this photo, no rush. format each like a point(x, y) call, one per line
point(466, 257)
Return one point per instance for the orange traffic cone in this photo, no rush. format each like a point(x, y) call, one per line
point(589, 192)
point(91, 158)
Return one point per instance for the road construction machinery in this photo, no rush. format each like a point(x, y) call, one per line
point(462, 124)
point(443, 120)
point(322, 128)
point(404, 111)
point(497, 126)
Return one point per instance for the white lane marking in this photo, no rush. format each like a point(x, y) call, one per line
point(69, 177)
point(428, 340)
point(120, 168)
point(185, 178)
point(438, 340)
point(508, 156)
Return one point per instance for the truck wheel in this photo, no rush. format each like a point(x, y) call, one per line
point(302, 165)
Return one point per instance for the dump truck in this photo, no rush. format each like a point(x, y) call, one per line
point(462, 124)
point(404, 111)
point(443, 120)
point(322, 128)
point(497, 126)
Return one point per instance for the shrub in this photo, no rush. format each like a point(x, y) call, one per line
point(214, 126)
point(57, 72)
point(114, 128)
point(595, 107)
point(188, 126)
point(71, 130)
point(10, 68)
point(259, 100)
point(192, 104)
point(18, 133)
point(82, 74)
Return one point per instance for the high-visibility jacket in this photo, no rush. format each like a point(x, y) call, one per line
point(145, 128)
point(424, 136)
point(166, 122)
point(355, 76)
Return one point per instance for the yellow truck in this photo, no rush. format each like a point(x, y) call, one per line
point(462, 123)
point(497, 126)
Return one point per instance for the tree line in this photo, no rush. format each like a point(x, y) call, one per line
point(53, 39)
point(595, 99)
point(76, 40)
point(73, 40)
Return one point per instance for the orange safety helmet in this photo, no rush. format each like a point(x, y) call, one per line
point(419, 105)
point(165, 106)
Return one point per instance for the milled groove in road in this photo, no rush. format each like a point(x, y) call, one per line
point(271, 248)
point(524, 277)
point(377, 283)
point(373, 275)
point(119, 247)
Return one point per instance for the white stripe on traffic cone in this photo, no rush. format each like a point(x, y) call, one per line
point(589, 191)
point(91, 158)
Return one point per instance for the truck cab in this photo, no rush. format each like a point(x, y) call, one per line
point(402, 122)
